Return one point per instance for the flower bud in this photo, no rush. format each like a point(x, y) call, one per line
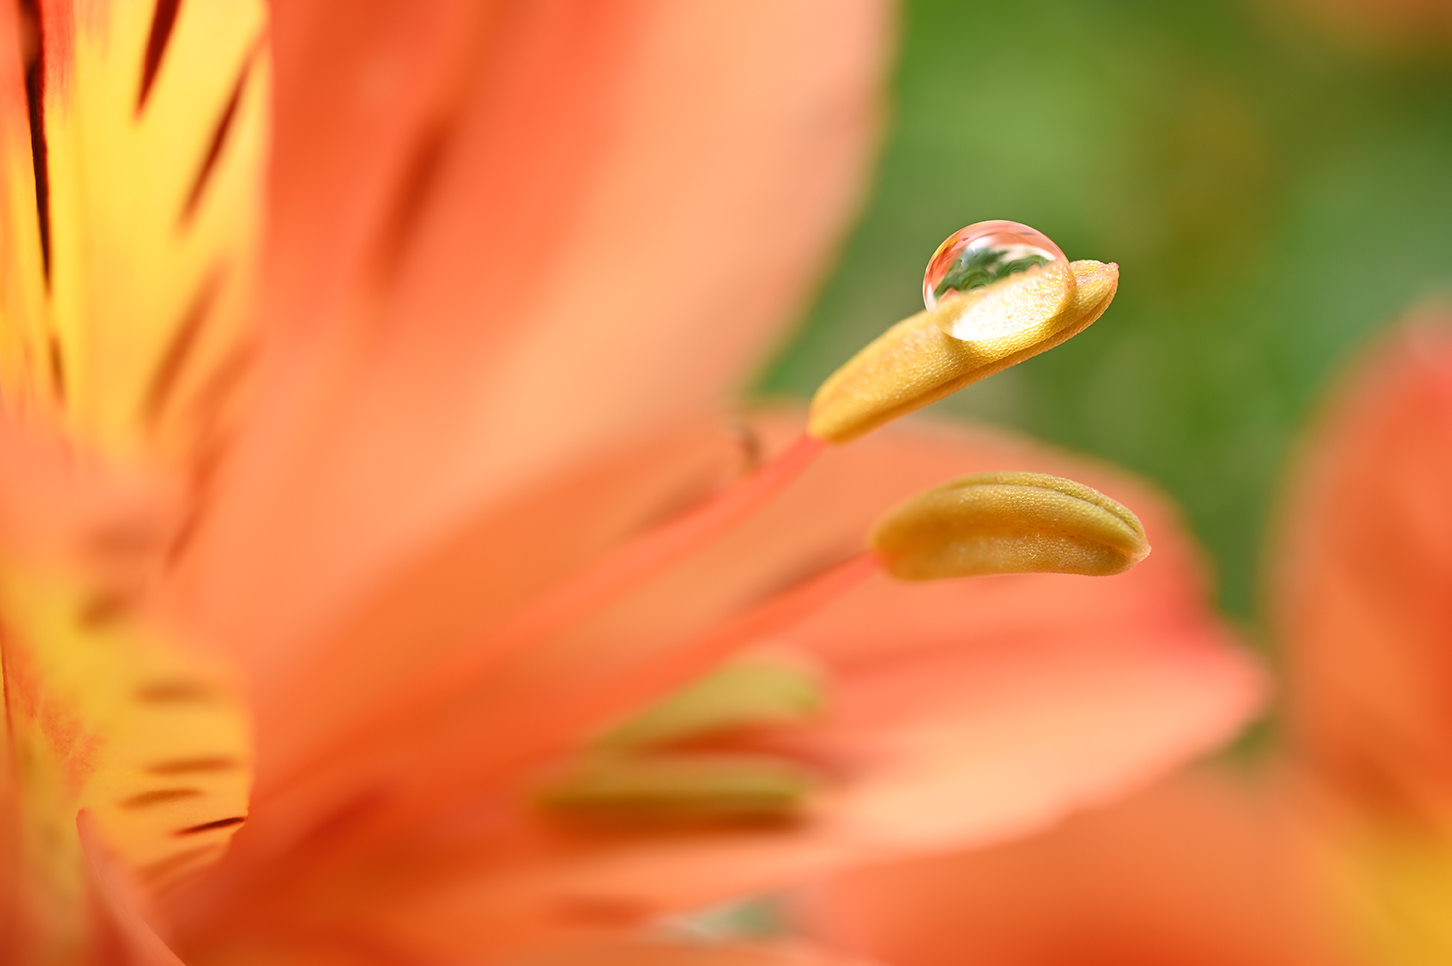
point(1008, 523)
point(917, 362)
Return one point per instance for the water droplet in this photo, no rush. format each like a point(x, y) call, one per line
point(984, 253)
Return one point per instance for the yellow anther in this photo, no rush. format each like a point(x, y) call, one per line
point(754, 690)
point(917, 362)
point(694, 787)
point(1008, 523)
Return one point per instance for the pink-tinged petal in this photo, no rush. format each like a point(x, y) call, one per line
point(959, 713)
point(510, 552)
point(628, 202)
point(1154, 617)
point(1201, 871)
point(359, 89)
point(1362, 574)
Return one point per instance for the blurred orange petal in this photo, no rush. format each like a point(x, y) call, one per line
point(508, 552)
point(1200, 871)
point(1022, 627)
point(1363, 568)
point(624, 206)
point(967, 711)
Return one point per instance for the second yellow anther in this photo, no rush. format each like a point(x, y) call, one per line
point(1008, 523)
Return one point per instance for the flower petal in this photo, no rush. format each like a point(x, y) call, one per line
point(963, 712)
point(1152, 617)
point(1196, 872)
point(119, 911)
point(1364, 563)
point(109, 708)
point(627, 203)
point(510, 552)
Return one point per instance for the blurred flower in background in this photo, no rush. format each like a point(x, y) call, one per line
point(368, 504)
point(1360, 593)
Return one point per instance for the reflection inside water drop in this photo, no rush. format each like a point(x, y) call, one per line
point(984, 253)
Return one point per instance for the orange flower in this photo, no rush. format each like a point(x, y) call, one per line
point(396, 533)
point(1347, 855)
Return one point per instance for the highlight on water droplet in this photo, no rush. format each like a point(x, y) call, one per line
point(984, 253)
point(997, 280)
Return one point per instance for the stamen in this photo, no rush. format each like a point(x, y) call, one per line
point(917, 362)
point(1008, 523)
point(609, 691)
point(650, 769)
point(680, 788)
point(579, 598)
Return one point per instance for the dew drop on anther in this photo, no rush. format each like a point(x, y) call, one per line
point(984, 253)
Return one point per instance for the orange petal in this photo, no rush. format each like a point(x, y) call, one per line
point(1197, 872)
point(510, 552)
point(360, 88)
point(107, 708)
point(1156, 613)
point(120, 920)
point(962, 712)
point(1362, 574)
point(628, 203)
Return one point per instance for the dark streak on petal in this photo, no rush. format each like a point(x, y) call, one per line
point(166, 692)
point(219, 141)
point(103, 610)
point(162, 21)
point(204, 468)
point(32, 29)
point(173, 361)
point(57, 365)
point(415, 187)
point(160, 796)
point(219, 385)
point(187, 766)
point(184, 534)
point(209, 826)
point(122, 540)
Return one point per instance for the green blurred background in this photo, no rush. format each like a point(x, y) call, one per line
point(1273, 190)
